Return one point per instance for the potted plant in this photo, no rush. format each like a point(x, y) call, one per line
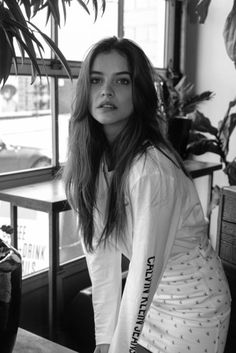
point(16, 29)
point(176, 101)
point(204, 137)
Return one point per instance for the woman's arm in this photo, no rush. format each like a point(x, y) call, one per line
point(155, 206)
point(104, 266)
point(102, 348)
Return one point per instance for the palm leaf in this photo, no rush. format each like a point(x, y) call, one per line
point(26, 32)
point(11, 46)
point(34, 64)
point(18, 16)
point(84, 6)
point(27, 6)
point(64, 10)
point(56, 50)
point(36, 6)
point(5, 57)
point(53, 9)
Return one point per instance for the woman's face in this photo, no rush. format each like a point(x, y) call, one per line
point(111, 101)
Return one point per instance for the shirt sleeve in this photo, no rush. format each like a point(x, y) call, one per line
point(104, 266)
point(155, 210)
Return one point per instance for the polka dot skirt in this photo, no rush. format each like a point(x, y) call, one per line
point(191, 309)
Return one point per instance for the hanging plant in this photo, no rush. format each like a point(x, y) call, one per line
point(15, 29)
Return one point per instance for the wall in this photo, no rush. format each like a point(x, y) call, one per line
point(208, 67)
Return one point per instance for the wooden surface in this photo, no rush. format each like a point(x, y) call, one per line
point(40, 196)
point(45, 195)
point(27, 342)
point(198, 169)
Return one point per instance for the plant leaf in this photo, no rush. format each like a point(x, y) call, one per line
point(229, 33)
point(195, 136)
point(191, 102)
point(226, 131)
point(215, 199)
point(201, 123)
point(230, 170)
point(34, 65)
point(64, 10)
point(53, 8)
point(84, 6)
point(204, 145)
point(27, 7)
point(5, 57)
point(56, 51)
point(11, 46)
point(19, 18)
point(202, 10)
point(36, 5)
point(26, 32)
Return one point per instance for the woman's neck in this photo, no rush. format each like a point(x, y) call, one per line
point(110, 160)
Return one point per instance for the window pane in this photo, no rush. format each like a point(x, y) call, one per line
point(66, 96)
point(32, 231)
point(70, 243)
point(80, 31)
point(25, 124)
point(144, 22)
point(33, 240)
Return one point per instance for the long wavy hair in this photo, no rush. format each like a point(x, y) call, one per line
point(88, 143)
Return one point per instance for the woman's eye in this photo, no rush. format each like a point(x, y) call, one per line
point(95, 80)
point(123, 81)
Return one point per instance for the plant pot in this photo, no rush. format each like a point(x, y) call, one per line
point(178, 133)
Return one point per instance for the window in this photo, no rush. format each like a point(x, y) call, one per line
point(34, 117)
point(144, 22)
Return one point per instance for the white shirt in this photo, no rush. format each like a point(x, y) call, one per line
point(165, 218)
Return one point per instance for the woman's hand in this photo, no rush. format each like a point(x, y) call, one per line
point(102, 348)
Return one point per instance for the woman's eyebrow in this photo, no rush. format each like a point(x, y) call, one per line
point(115, 73)
point(96, 72)
point(123, 73)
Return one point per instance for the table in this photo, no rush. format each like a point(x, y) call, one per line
point(46, 197)
point(198, 168)
point(50, 197)
point(27, 342)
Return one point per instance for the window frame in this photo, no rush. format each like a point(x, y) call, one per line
point(56, 71)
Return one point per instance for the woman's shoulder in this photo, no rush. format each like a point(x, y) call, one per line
point(152, 161)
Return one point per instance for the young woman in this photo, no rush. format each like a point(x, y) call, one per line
point(134, 197)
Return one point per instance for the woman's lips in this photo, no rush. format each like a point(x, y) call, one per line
point(107, 105)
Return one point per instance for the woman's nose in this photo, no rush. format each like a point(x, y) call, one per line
point(107, 89)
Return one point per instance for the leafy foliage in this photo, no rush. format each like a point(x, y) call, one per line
point(176, 95)
point(177, 99)
point(15, 29)
point(204, 137)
